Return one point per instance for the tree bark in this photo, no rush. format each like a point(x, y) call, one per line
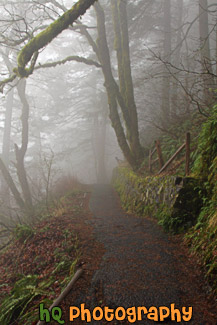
point(118, 46)
point(7, 128)
point(7, 132)
point(208, 80)
point(129, 142)
point(177, 58)
point(101, 172)
point(167, 57)
point(11, 185)
point(20, 152)
point(128, 94)
point(110, 84)
point(6, 143)
point(204, 35)
point(101, 123)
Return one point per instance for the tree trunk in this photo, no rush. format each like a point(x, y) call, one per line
point(166, 57)
point(6, 143)
point(208, 80)
point(125, 67)
point(7, 130)
point(20, 152)
point(11, 185)
point(204, 35)
point(177, 58)
point(101, 172)
point(127, 135)
point(118, 46)
point(111, 87)
point(101, 141)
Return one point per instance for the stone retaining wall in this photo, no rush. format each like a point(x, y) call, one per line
point(174, 201)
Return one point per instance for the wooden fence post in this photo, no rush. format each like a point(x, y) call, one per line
point(159, 152)
point(150, 162)
point(172, 158)
point(187, 155)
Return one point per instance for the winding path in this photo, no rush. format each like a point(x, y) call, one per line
point(142, 265)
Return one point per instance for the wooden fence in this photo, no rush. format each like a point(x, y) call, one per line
point(163, 166)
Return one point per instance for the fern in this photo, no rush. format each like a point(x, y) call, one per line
point(23, 232)
point(24, 291)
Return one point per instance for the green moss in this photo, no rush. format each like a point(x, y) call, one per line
point(192, 207)
point(202, 238)
point(160, 197)
point(23, 232)
point(46, 36)
point(187, 206)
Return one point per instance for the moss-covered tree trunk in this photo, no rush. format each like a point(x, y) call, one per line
point(128, 136)
point(111, 86)
point(120, 23)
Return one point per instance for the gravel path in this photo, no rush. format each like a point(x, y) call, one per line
point(142, 265)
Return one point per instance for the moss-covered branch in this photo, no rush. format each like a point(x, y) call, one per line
point(6, 81)
point(52, 31)
point(68, 59)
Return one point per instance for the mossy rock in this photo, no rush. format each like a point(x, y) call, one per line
point(187, 206)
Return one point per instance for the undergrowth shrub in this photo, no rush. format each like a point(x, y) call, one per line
point(22, 232)
point(24, 291)
point(203, 237)
point(20, 305)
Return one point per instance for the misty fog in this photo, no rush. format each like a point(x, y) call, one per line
point(62, 117)
point(108, 161)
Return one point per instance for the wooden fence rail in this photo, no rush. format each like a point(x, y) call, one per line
point(159, 159)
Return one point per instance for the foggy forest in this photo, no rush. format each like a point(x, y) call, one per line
point(108, 161)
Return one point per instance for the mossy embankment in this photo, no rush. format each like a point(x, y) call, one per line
point(174, 201)
point(203, 237)
point(185, 205)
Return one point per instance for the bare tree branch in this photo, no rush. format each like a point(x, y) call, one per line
point(68, 59)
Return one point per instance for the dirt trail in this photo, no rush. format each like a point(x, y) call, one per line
point(143, 266)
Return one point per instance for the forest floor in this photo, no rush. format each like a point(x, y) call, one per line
point(57, 245)
point(127, 260)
